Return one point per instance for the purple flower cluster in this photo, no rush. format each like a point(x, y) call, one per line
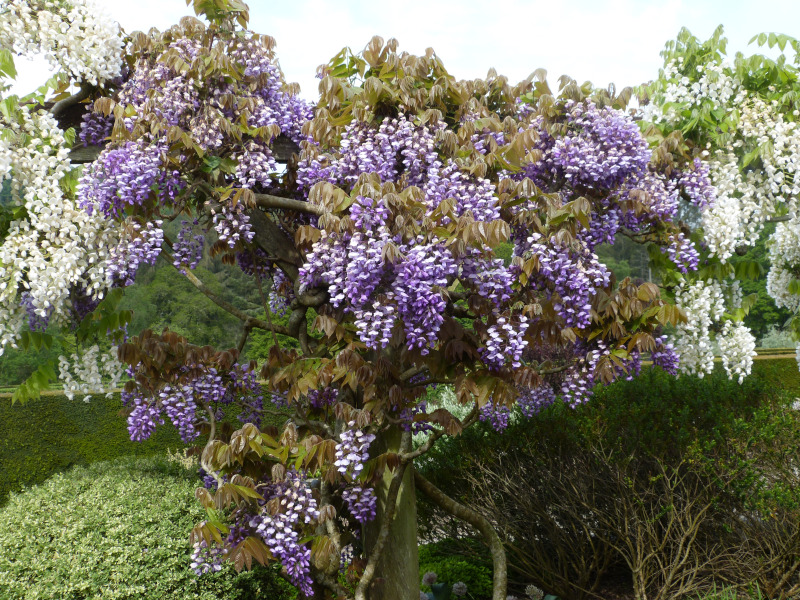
point(406, 416)
point(188, 249)
point(95, 128)
point(297, 507)
point(142, 247)
point(472, 194)
point(665, 356)
point(206, 559)
point(143, 419)
point(659, 195)
point(489, 278)
point(496, 415)
point(233, 225)
point(127, 176)
point(82, 304)
point(419, 279)
point(459, 589)
point(683, 253)
point(245, 387)
point(180, 402)
point(395, 148)
point(36, 320)
point(505, 342)
point(254, 262)
point(697, 185)
point(254, 165)
point(281, 294)
point(569, 276)
point(376, 291)
point(319, 399)
point(532, 400)
point(602, 148)
point(353, 451)
point(579, 379)
point(361, 502)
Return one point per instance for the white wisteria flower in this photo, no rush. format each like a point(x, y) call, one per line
point(75, 36)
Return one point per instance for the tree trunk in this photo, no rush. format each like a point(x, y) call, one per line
point(397, 575)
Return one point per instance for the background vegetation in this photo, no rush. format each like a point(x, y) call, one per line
point(667, 487)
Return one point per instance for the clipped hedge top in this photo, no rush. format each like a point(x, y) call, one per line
point(114, 530)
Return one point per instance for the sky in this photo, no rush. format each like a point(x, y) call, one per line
point(603, 41)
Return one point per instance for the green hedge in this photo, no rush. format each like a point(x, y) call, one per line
point(50, 435)
point(116, 530)
point(781, 372)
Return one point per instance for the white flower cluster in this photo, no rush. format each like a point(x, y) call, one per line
point(74, 35)
point(784, 256)
point(57, 246)
point(715, 84)
point(737, 216)
point(745, 197)
point(737, 347)
point(85, 373)
point(5, 159)
point(703, 302)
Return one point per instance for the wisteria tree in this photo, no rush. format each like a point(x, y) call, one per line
point(742, 116)
point(378, 219)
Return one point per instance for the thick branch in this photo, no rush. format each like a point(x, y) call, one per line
point(270, 201)
point(329, 583)
point(480, 523)
point(272, 240)
point(62, 105)
point(422, 449)
point(298, 328)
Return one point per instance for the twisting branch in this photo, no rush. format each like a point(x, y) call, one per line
point(298, 327)
point(386, 524)
point(270, 201)
point(227, 306)
point(479, 522)
point(328, 582)
point(470, 420)
point(81, 95)
point(432, 438)
point(245, 333)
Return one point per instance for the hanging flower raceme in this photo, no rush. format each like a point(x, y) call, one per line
point(75, 36)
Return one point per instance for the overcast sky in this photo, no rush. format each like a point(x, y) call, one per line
point(603, 41)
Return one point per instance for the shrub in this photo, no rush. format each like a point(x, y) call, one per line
point(665, 484)
point(115, 530)
point(450, 569)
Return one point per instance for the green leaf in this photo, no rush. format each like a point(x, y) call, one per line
point(32, 387)
point(7, 66)
point(748, 269)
